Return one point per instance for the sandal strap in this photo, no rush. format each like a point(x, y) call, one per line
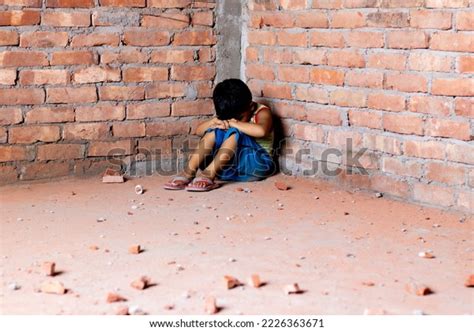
point(180, 178)
point(203, 179)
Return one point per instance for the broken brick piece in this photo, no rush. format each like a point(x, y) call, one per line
point(94, 248)
point(114, 297)
point(418, 289)
point(112, 176)
point(48, 268)
point(141, 283)
point(292, 289)
point(210, 306)
point(254, 281)
point(426, 255)
point(135, 249)
point(368, 283)
point(281, 186)
point(53, 287)
point(231, 282)
point(121, 310)
point(469, 281)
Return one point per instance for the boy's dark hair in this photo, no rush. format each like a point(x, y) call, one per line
point(231, 98)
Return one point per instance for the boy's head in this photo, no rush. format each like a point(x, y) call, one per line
point(232, 98)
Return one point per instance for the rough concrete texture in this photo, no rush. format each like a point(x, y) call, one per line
point(328, 241)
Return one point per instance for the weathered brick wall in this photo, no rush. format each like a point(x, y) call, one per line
point(79, 78)
point(395, 76)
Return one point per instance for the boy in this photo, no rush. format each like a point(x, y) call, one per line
point(239, 139)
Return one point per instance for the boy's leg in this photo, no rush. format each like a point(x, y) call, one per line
point(205, 147)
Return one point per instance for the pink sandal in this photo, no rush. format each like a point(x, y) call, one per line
point(177, 183)
point(209, 185)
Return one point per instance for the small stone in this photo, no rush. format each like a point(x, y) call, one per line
point(94, 248)
point(210, 306)
point(19, 219)
point(48, 268)
point(101, 219)
point(141, 283)
point(134, 207)
point(121, 310)
point(268, 238)
point(404, 230)
point(378, 195)
point(53, 287)
point(232, 259)
point(134, 249)
point(254, 281)
point(426, 255)
point(186, 294)
point(418, 289)
point(14, 286)
point(231, 282)
point(281, 186)
point(112, 176)
point(168, 307)
point(368, 283)
point(239, 189)
point(469, 281)
point(139, 189)
point(292, 289)
point(136, 310)
point(114, 297)
point(436, 225)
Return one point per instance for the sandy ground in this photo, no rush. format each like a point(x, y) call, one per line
point(327, 240)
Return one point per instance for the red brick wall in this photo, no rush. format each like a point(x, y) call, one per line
point(79, 78)
point(396, 76)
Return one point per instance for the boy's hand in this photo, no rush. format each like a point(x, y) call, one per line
point(218, 124)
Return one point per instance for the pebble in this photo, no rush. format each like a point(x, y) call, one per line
point(101, 219)
point(13, 286)
point(378, 195)
point(436, 225)
point(19, 219)
point(135, 310)
point(134, 207)
point(268, 238)
point(232, 259)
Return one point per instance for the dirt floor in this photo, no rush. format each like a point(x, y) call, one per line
point(327, 240)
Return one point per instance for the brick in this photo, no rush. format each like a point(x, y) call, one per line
point(364, 79)
point(406, 82)
point(125, 56)
point(304, 56)
point(425, 61)
point(96, 74)
point(172, 56)
point(348, 98)
point(22, 96)
point(43, 77)
point(7, 76)
point(121, 93)
point(437, 127)
point(23, 59)
point(407, 39)
point(466, 64)
point(169, 3)
point(73, 57)
point(95, 39)
point(192, 73)
point(274, 19)
point(60, 152)
point(103, 148)
point(21, 3)
point(86, 131)
point(276, 91)
point(8, 173)
point(50, 115)
point(155, 147)
point(100, 112)
point(345, 58)
point(365, 39)
point(163, 129)
point(388, 19)
point(292, 39)
point(449, 41)
point(34, 133)
point(405, 124)
point(445, 173)
point(145, 74)
point(19, 17)
point(168, 21)
point(44, 170)
point(392, 61)
point(430, 19)
point(430, 105)
point(348, 20)
point(128, 129)
point(308, 133)
point(326, 76)
point(463, 153)
point(311, 19)
point(165, 90)
point(203, 18)
point(70, 3)
point(147, 110)
point(312, 94)
point(327, 39)
point(298, 74)
point(71, 94)
point(465, 20)
point(453, 87)
point(207, 54)
point(323, 115)
point(464, 107)
point(382, 143)
point(446, 3)
point(8, 38)
point(192, 108)
point(401, 3)
point(434, 195)
point(43, 39)
point(123, 3)
point(424, 149)
point(146, 37)
point(12, 153)
point(400, 167)
point(365, 119)
point(3, 135)
point(111, 176)
point(63, 19)
point(10, 116)
point(262, 37)
point(205, 37)
point(388, 185)
point(288, 110)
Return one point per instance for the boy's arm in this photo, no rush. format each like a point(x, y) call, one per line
point(256, 130)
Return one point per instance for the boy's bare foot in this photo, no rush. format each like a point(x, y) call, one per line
point(202, 184)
